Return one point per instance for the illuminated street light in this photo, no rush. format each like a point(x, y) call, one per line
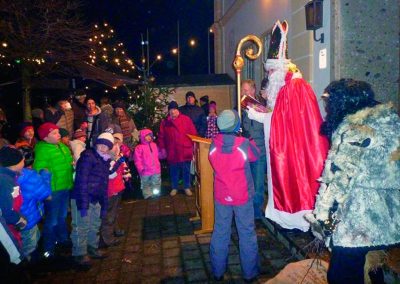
point(174, 51)
point(159, 57)
point(192, 42)
point(4, 44)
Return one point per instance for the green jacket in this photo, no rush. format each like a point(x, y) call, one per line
point(57, 159)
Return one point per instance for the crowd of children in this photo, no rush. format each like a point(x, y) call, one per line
point(43, 179)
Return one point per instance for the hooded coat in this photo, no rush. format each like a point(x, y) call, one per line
point(230, 157)
point(146, 155)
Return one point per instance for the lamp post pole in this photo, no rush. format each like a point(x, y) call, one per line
point(208, 51)
point(179, 51)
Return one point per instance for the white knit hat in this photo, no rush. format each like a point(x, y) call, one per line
point(105, 138)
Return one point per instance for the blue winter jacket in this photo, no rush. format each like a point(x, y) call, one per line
point(91, 181)
point(35, 187)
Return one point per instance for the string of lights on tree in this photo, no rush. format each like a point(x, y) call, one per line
point(109, 53)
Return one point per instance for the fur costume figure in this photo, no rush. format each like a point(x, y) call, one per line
point(358, 203)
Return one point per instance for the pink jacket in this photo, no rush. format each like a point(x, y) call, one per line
point(173, 138)
point(146, 155)
point(230, 157)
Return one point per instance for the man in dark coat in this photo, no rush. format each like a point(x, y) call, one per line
point(195, 113)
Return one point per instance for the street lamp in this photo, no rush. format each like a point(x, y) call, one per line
point(192, 42)
point(209, 33)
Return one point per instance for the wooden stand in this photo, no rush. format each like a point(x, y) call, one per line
point(204, 185)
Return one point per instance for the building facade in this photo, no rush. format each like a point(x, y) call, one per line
point(361, 41)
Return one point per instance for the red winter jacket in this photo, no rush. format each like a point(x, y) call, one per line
point(116, 180)
point(230, 157)
point(174, 140)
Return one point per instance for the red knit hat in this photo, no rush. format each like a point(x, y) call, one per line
point(45, 129)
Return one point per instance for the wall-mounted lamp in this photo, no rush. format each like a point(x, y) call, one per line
point(314, 17)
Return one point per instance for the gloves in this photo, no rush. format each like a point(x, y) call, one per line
point(316, 227)
point(21, 223)
point(83, 212)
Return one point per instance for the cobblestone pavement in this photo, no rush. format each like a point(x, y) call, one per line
point(160, 247)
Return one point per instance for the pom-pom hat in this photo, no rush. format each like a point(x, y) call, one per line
point(105, 138)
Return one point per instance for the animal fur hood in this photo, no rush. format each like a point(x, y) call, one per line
point(360, 185)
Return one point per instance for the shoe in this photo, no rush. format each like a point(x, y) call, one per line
point(96, 253)
point(82, 262)
point(173, 192)
point(188, 192)
point(218, 279)
point(113, 243)
point(119, 233)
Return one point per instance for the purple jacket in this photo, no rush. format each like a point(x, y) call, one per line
point(91, 181)
point(146, 156)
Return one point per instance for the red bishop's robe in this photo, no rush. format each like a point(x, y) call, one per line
point(297, 151)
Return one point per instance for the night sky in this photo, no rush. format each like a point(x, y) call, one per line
point(130, 18)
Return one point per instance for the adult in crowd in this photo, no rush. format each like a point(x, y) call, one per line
point(204, 104)
point(255, 130)
point(37, 119)
point(106, 107)
point(52, 112)
point(295, 149)
point(176, 146)
point(358, 203)
point(79, 108)
point(212, 128)
point(125, 122)
point(96, 122)
point(66, 120)
point(5, 129)
point(195, 113)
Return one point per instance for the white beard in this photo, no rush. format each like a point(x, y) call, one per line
point(275, 82)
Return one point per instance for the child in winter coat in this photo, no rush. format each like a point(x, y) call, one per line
point(11, 165)
point(54, 156)
point(147, 164)
point(212, 129)
point(35, 187)
point(26, 142)
point(119, 173)
point(89, 200)
point(230, 157)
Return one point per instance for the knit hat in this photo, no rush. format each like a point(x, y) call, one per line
point(10, 156)
point(79, 133)
point(228, 121)
point(204, 99)
point(105, 138)
point(119, 104)
point(173, 105)
point(190, 94)
point(45, 129)
point(80, 93)
point(24, 127)
point(63, 132)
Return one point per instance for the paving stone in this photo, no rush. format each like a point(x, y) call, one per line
point(149, 270)
point(234, 259)
point(151, 248)
point(171, 252)
point(193, 264)
point(196, 275)
point(205, 248)
point(131, 267)
point(172, 272)
point(151, 280)
point(106, 275)
point(130, 278)
point(170, 244)
point(172, 262)
point(154, 259)
point(235, 269)
point(204, 239)
point(189, 246)
point(188, 239)
point(132, 248)
point(173, 280)
point(191, 254)
point(80, 280)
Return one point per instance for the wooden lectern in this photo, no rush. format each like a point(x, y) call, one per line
point(204, 185)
